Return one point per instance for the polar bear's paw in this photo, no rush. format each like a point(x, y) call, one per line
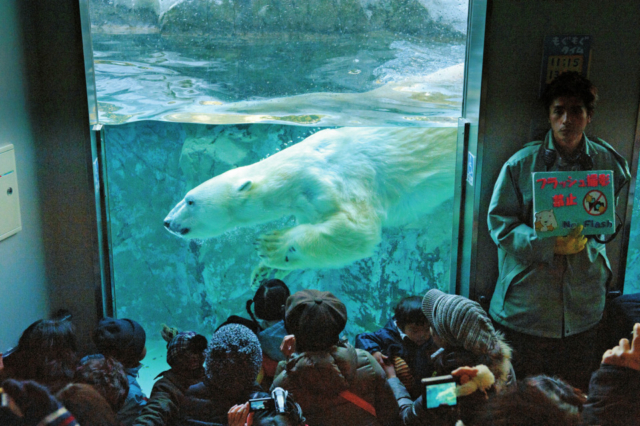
point(278, 249)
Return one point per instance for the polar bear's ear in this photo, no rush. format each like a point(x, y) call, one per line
point(245, 186)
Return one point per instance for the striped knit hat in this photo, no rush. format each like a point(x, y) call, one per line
point(460, 322)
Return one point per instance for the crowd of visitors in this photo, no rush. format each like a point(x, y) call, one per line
point(321, 379)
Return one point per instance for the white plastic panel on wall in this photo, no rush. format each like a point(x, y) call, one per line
point(10, 222)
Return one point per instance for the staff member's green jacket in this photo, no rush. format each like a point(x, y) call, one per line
point(538, 292)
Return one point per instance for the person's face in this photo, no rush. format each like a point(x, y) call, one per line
point(568, 118)
point(418, 334)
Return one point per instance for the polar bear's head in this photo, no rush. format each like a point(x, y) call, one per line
point(213, 207)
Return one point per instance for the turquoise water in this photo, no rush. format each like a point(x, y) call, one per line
point(324, 80)
point(160, 278)
point(189, 90)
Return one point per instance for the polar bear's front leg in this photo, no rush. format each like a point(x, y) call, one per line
point(342, 239)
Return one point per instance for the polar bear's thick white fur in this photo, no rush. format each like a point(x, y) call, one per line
point(342, 185)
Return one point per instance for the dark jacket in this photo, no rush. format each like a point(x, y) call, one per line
point(614, 393)
point(207, 405)
point(163, 407)
point(315, 380)
point(389, 342)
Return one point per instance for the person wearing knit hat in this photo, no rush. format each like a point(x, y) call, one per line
point(458, 322)
point(124, 339)
point(232, 362)
point(185, 356)
point(468, 344)
point(334, 383)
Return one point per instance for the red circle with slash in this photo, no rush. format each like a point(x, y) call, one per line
point(598, 200)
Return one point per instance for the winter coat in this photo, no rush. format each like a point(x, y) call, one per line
point(315, 380)
point(207, 405)
point(538, 292)
point(163, 407)
point(136, 399)
point(613, 398)
point(390, 342)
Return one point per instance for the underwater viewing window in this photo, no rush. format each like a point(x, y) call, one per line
point(187, 91)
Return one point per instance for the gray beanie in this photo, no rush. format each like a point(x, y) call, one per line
point(459, 321)
point(233, 358)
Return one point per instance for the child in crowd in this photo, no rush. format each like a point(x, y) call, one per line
point(232, 361)
point(108, 377)
point(334, 383)
point(124, 340)
point(404, 339)
point(46, 353)
point(185, 356)
point(468, 340)
point(267, 323)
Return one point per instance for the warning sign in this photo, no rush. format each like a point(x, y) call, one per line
point(563, 200)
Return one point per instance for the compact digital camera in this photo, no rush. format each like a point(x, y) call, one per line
point(439, 391)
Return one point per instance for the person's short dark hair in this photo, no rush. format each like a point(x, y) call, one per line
point(47, 352)
point(409, 311)
point(571, 84)
point(269, 300)
point(108, 377)
point(539, 400)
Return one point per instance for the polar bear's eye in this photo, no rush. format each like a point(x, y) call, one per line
point(190, 202)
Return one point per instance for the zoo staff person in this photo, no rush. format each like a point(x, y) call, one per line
point(550, 292)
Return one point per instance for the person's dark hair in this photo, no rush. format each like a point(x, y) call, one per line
point(269, 300)
point(108, 377)
point(571, 84)
point(409, 311)
point(87, 405)
point(48, 352)
point(539, 400)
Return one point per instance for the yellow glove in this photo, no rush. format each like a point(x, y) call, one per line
point(572, 243)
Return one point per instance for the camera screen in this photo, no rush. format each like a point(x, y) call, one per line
point(258, 405)
point(441, 394)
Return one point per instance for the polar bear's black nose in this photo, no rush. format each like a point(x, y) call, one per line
point(167, 224)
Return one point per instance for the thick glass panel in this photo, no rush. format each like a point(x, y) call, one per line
point(632, 274)
point(189, 90)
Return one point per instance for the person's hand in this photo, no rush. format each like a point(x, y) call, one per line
point(1, 364)
point(572, 243)
point(464, 374)
point(238, 415)
point(380, 358)
point(288, 345)
point(389, 368)
point(625, 355)
point(33, 399)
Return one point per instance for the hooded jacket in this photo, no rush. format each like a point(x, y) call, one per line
point(315, 379)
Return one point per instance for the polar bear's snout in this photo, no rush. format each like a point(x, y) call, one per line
point(175, 223)
point(175, 228)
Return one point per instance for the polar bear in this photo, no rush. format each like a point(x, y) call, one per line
point(342, 185)
point(546, 221)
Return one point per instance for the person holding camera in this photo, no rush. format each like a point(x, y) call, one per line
point(277, 410)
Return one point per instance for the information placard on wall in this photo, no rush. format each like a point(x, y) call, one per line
point(563, 200)
point(564, 53)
